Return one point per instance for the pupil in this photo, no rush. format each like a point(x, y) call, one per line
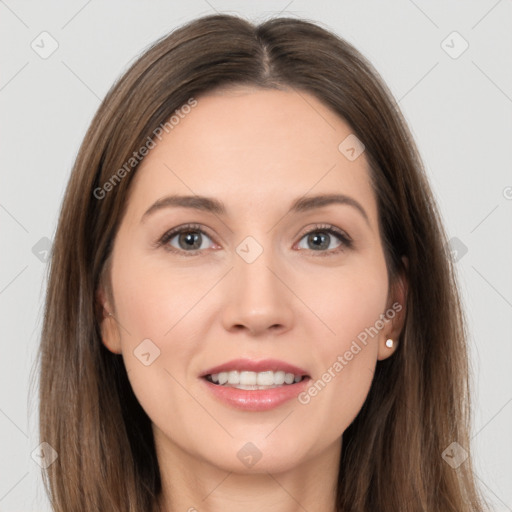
point(315, 238)
point(191, 238)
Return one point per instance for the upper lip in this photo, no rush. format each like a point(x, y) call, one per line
point(251, 365)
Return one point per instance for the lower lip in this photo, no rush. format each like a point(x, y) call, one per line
point(258, 399)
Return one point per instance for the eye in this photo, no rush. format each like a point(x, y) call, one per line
point(191, 239)
point(320, 240)
point(185, 239)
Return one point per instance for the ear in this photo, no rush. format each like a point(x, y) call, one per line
point(395, 313)
point(110, 335)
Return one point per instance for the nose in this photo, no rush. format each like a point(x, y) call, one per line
point(257, 297)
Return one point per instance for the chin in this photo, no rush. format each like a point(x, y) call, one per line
point(258, 454)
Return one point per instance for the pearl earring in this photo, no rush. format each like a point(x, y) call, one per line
point(389, 343)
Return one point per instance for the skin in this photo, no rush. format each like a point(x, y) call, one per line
point(257, 151)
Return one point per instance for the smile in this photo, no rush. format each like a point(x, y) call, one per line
point(255, 385)
point(249, 380)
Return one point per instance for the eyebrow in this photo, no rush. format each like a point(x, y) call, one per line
point(209, 204)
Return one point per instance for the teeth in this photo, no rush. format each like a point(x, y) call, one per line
point(249, 379)
point(279, 378)
point(254, 380)
point(264, 379)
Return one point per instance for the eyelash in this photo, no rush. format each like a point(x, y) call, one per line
point(346, 242)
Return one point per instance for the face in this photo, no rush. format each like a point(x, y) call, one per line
point(257, 290)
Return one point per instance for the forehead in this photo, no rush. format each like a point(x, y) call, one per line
point(244, 142)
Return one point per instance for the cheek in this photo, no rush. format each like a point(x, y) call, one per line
point(150, 299)
point(349, 302)
point(351, 306)
point(154, 310)
point(157, 312)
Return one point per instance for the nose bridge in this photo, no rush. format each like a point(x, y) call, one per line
point(257, 298)
point(252, 269)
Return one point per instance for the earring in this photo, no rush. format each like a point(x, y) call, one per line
point(389, 343)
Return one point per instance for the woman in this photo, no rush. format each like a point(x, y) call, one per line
point(250, 303)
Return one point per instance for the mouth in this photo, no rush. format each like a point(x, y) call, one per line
point(252, 385)
point(250, 380)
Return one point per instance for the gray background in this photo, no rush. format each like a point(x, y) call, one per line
point(458, 106)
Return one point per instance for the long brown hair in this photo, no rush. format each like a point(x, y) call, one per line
point(418, 404)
